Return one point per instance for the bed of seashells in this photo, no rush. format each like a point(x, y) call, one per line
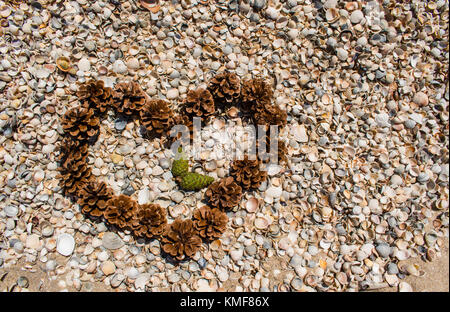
point(182, 238)
point(365, 88)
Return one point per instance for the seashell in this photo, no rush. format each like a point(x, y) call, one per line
point(133, 50)
point(5, 11)
point(252, 205)
point(46, 228)
point(413, 269)
point(284, 243)
point(431, 238)
point(102, 70)
point(215, 245)
point(261, 223)
point(63, 63)
point(65, 244)
point(282, 287)
point(342, 278)
point(310, 96)
point(404, 287)
point(297, 283)
point(441, 204)
point(274, 230)
point(311, 280)
point(431, 254)
point(11, 211)
point(326, 213)
point(232, 112)
point(151, 5)
point(332, 15)
point(22, 281)
point(351, 6)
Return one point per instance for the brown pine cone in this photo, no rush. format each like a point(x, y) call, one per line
point(120, 210)
point(282, 150)
point(253, 93)
point(150, 221)
point(81, 125)
point(224, 194)
point(70, 149)
point(181, 240)
point(157, 118)
point(225, 88)
point(247, 173)
point(95, 95)
point(129, 98)
point(210, 223)
point(199, 103)
point(73, 174)
point(92, 198)
point(183, 119)
point(267, 114)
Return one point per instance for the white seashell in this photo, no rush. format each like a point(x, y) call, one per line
point(284, 243)
point(142, 280)
point(5, 11)
point(404, 287)
point(261, 223)
point(133, 50)
point(252, 205)
point(65, 244)
point(11, 211)
point(46, 229)
point(299, 133)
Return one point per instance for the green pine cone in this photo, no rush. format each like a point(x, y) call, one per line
point(193, 181)
point(180, 167)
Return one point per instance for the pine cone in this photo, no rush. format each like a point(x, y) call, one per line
point(73, 174)
point(210, 223)
point(181, 239)
point(128, 98)
point(183, 119)
point(120, 210)
point(267, 114)
point(193, 181)
point(92, 198)
point(225, 88)
point(70, 149)
point(199, 103)
point(282, 150)
point(247, 173)
point(150, 221)
point(180, 165)
point(224, 194)
point(94, 95)
point(157, 117)
point(253, 93)
point(81, 125)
